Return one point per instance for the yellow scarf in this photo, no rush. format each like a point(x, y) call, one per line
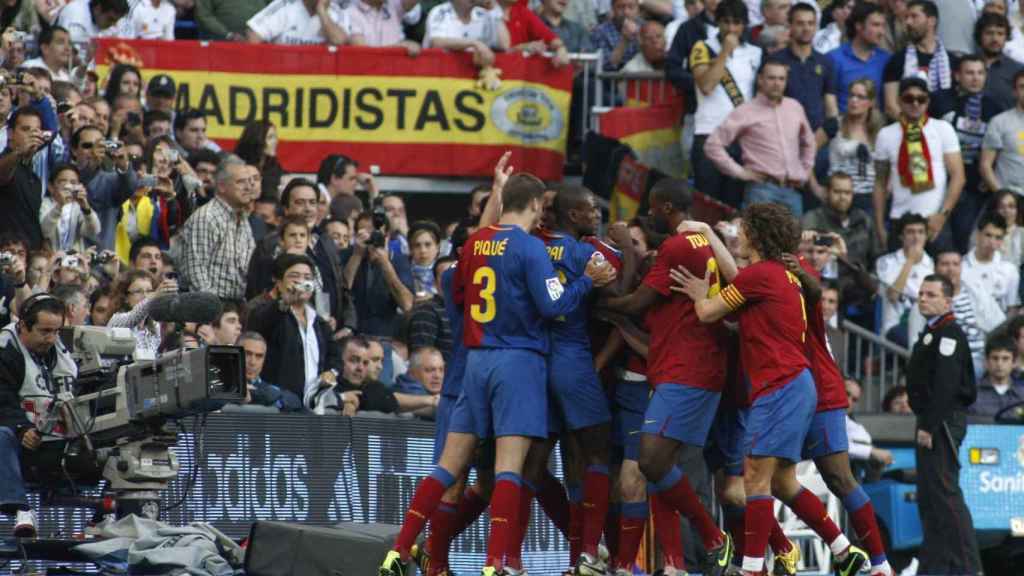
point(915, 160)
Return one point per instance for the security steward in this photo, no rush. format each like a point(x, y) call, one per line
point(34, 368)
point(940, 385)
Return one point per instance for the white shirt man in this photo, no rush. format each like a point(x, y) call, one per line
point(77, 18)
point(152, 19)
point(984, 266)
point(290, 22)
point(444, 22)
point(942, 140)
point(901, 272)
point(742, 65)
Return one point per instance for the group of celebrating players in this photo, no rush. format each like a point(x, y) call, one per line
point(722, 352)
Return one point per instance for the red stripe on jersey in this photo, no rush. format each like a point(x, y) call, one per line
point(469, 263)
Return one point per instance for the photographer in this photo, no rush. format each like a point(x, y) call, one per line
point(132, 299)
point(14, 289)
point(34, 366)
point(301, 352)
point(20, 186)
point(66, 216)
point(380, 279)
point(105, 169)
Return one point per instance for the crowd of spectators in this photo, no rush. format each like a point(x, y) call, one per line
point(892, 128)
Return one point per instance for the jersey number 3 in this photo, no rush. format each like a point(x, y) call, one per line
point(485, 311)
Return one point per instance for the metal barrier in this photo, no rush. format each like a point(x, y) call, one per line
point(877, 363)
point(651, 88)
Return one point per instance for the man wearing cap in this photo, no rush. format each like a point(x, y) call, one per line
point(160, 94)
point(918, 162)
point(55, 53)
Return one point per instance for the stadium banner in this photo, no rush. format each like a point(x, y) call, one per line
point(652, 132)
point(422, 115)
point(318, 470)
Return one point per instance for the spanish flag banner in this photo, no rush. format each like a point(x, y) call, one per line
point(423, 115)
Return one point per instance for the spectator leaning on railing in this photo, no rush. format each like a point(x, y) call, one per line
point(299, 22)
point(225, 19)
point(380, 23)
point(467, 25)
point(152, 19)
point(617, 39)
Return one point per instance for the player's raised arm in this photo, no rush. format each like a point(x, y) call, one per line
point(727, 268)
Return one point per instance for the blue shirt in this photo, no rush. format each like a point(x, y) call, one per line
point(605, 38)
point(847, 67)
point(570, 257)
point(809, 81)
point(508, 288)
point(456, 367)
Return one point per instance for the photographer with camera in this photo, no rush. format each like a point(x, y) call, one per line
point(133, 297)
point(380, 279)
point(106, 171)
point(66, 216)
point(302, 355)
point(14, 287)
point(34, 368)
point(20, 185)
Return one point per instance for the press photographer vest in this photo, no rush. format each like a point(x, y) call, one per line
point(39, 385)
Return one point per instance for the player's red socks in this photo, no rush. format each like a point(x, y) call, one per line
point(809, 508)
point(442, 531)
point(470, 507)
point(552, 500)
point(862, 516)
point(758, 525)
point(424, 502)
point(631, 532)
point(514, 553)
point(575, 537)
point(675, 489)
point(504, 515)
point(596, 491)
point(668, 531)
point(777, 538)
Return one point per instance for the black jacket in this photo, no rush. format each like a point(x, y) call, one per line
point(285, 362)
point(325, 255)
point(940, 375)
point(375, 397)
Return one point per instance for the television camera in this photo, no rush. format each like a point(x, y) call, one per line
point(120, 416)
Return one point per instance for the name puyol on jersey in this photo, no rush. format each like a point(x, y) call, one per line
point(554, 288)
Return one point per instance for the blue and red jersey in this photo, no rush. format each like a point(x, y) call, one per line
point(508, 287)
point(456, 367)
point(569, 256)
point(773, 324)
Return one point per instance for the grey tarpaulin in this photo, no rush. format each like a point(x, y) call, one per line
point(146, 546)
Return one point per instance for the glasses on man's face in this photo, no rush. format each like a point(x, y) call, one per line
point(298, 277)
point(855, 96)
point(912, 99)
point(87, 145)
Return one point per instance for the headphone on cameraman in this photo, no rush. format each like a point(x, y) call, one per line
point(31, 304)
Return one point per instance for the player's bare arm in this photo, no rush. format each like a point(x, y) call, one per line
point(727, 268)
point(811, 286)
point(708, 309)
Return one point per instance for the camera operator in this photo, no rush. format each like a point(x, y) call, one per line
point(301, 352)
point(105, 168)
point(380, 279)
point(66, 216)
point(33, 367)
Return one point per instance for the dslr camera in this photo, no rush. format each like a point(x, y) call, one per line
point(378, 238)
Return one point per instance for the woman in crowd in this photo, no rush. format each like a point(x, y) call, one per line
point(852, 148)
point(124, 80)
point(830, 37)
point(258, 146)
point(66, 217)
point(133, 297)
point(424, 245)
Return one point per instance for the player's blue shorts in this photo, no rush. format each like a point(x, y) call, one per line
point(628, 407)
point(442, 420)
point(681, 412)
point(725, 448)
point(779, 421)
point(827, 434)
point(580, 401)
point(504, 393)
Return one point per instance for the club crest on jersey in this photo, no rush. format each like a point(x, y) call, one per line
point(554, 288)
point(947, 346)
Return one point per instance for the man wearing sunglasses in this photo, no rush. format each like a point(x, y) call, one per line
point(106, 175)
point(918, 162)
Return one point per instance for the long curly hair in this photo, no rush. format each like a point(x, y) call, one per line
point(771, 229)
